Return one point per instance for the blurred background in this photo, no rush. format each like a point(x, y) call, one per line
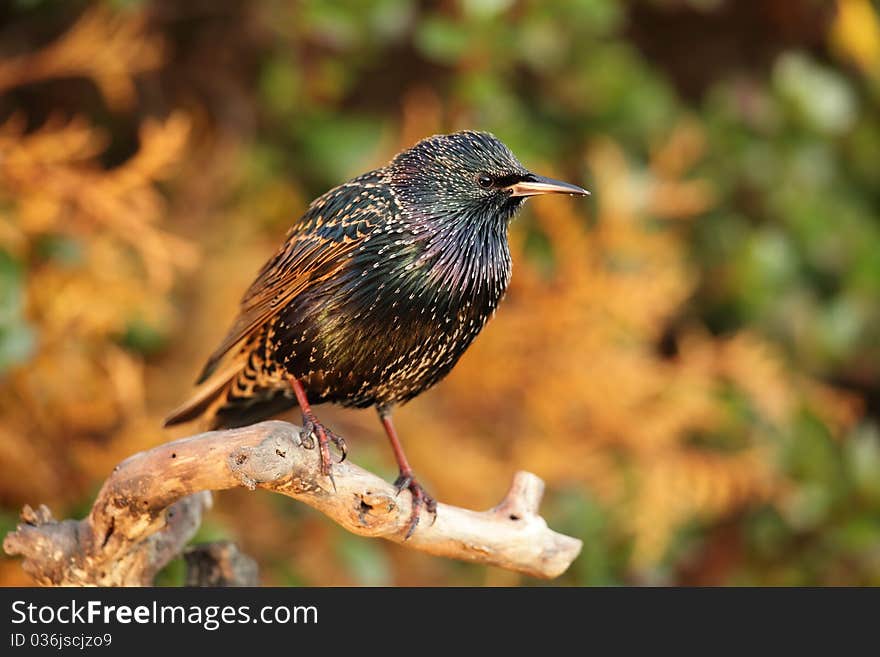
point(690, 359)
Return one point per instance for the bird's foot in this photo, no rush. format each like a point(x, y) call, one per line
point(312, 427)
point(419, 499)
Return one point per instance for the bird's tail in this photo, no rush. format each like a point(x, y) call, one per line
point(233, 398)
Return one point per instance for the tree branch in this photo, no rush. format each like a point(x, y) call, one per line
point(152, 504)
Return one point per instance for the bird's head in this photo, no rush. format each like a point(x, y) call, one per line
point(467, 177)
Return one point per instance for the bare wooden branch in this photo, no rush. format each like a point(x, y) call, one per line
point(152, 504)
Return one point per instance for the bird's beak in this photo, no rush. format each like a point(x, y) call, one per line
point(533, 185)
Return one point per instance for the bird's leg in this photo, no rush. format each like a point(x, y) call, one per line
point(405, 478)
point(311, 425)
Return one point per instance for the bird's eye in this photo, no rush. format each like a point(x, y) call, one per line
point(484, 180)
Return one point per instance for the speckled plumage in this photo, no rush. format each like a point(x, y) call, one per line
point(378, 289)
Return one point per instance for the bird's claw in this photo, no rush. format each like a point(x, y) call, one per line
point(419, 499)
point(311, 427)
point(403, 481)
point(305, 436)
point(339, 441)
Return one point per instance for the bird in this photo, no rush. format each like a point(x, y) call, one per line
point(376, 292)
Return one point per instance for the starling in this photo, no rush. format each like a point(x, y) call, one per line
point(375, 294)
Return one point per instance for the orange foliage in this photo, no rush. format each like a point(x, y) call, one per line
point(105, 47)
point(119, 268)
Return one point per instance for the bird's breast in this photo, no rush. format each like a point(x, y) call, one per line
point(398, 319)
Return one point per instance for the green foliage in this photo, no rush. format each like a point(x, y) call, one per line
point(16, 336)
point(602, 561)
point(367, 564)
point(792, 247)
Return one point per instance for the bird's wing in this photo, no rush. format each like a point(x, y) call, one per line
point(316, 248)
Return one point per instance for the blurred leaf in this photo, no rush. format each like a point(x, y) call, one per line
point(863, 454)
point(173, 574)
point(281, 86)
point(143, 337)
point(441, 39)
point(601, 561)
point(339, 148)
point(819, 96)
point(60, 248)
point(365, 561)
point(16, 337)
